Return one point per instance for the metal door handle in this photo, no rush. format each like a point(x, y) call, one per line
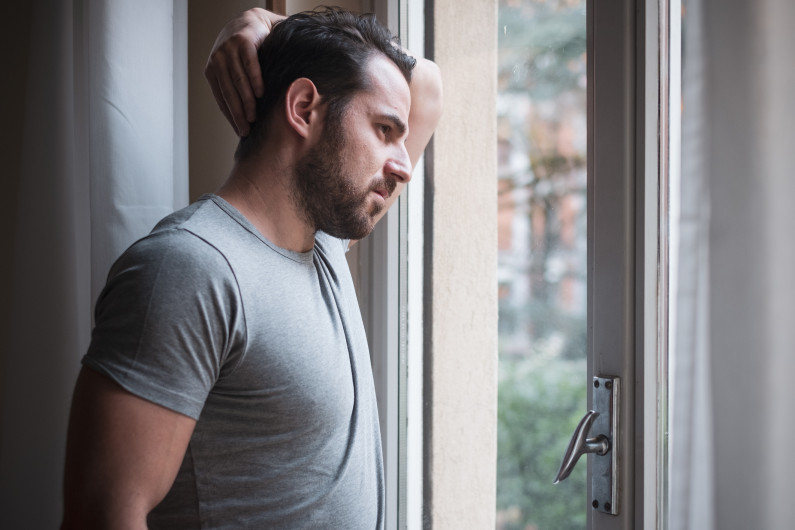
point(603, 419)
point(580, 445)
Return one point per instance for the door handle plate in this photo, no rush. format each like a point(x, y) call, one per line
point(604, 468)
point(601, 423)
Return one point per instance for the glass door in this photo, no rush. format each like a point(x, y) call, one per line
point(584, 155)
point(542, 259)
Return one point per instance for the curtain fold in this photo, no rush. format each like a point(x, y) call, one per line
point(50, 296)
point(131, 122)
point(102, 124)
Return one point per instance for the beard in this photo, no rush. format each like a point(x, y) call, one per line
point(326, 192)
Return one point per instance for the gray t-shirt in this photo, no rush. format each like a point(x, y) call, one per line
point(265, 348)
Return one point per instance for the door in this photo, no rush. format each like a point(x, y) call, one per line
point(583, 151)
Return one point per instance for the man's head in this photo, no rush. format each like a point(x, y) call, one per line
point(345, 178)
point(330, 47)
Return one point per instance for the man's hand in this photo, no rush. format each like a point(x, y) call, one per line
point(233, 69)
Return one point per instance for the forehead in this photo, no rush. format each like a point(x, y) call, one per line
point(389, 91)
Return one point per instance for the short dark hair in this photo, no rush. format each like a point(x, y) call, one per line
point(329, 46)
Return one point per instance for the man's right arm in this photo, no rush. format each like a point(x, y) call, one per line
point(122, 455)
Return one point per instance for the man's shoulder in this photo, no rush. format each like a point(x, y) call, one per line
point(181, 241)
point(204, 215)
point(204, 226)
point(178, 244)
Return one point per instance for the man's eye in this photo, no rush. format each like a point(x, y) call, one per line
point(384, 129)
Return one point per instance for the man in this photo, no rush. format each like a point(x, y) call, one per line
point(228, 384)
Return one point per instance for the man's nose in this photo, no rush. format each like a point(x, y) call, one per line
point(399, 165)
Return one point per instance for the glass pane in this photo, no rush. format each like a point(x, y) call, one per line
point(541, 109)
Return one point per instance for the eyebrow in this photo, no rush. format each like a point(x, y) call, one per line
point(396, 122)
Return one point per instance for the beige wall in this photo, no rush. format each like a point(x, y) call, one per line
point(461, 366)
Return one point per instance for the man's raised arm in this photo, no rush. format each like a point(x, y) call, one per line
point(424, 114)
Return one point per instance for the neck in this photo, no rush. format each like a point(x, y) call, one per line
point(260, 188)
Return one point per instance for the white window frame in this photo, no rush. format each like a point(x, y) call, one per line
point(388, 267)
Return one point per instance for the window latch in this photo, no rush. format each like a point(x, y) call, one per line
point(603, 422)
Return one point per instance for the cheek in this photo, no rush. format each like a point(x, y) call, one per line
point(366, 161)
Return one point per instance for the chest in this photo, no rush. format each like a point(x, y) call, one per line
point(305, 358)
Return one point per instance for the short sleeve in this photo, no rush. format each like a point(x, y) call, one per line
point(167, 320)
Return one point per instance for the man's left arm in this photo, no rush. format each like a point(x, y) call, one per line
point(424, 114)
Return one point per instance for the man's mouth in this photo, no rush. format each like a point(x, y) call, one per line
point(385, 188)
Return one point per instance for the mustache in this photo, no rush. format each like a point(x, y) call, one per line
point(388, 184)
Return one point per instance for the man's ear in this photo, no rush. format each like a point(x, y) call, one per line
point(302, 106)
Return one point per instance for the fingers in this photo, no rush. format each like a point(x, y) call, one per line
point(232, 90)
point(250, 62)
point(233, 69)
point(242, 104)
point(244, 83)
point(219, 98)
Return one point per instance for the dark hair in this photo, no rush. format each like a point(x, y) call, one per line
point(330, 47)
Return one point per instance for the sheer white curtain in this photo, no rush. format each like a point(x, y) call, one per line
point(692, 495)
point(733, 423)
point(104, 156)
